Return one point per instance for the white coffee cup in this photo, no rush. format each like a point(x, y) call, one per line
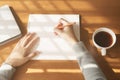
point(103, 38)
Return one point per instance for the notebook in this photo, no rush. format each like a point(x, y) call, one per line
point(9, 28)
point(53, 47)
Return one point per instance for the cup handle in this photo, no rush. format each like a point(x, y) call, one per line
point(103, 51)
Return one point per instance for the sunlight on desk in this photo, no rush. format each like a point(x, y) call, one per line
point(63, 70)
point(116, 70)
point(30, 70)
point(49, 70)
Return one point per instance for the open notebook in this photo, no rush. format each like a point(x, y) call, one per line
point(53, 47)
point(9, 28)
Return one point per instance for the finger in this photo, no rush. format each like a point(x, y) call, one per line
point(59, 25)
point(33, 54)
point(33, 43)
point(20, 42)
point(28, 38)
point(22, 39)
point(58, 31)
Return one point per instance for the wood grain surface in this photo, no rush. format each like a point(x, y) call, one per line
point(94, 14)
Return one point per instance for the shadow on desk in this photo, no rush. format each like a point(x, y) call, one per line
point(49, 70)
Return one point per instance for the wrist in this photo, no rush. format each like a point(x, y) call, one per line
point(10, 62)
point(74, 41)
point(8, 65)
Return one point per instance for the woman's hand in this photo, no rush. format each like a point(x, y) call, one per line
point(65, 30)
point(24, 50)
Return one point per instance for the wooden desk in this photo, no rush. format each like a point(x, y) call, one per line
point(94, 13)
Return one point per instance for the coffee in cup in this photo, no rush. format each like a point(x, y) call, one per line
point(104, 38)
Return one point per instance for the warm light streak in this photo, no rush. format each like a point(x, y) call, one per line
point(63, 70)
point(30, 70)
point(35, 70)
point(116, 70)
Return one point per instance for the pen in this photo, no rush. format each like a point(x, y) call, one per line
point(66, 23)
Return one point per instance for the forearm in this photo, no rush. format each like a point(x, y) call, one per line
point(6, 72)
point(87, 63)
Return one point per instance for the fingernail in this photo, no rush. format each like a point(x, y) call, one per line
point(38, 52)
point(55, 33)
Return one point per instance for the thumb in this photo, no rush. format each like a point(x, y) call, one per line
point(33, 54)
point(59, 28)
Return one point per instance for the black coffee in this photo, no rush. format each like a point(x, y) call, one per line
point(103, 39)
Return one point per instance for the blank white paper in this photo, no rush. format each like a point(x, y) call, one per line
point(53, 47)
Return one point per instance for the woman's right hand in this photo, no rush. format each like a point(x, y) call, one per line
point(65, 30)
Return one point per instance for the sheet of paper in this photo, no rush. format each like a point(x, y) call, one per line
point(53, 47)
point(8, 25)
